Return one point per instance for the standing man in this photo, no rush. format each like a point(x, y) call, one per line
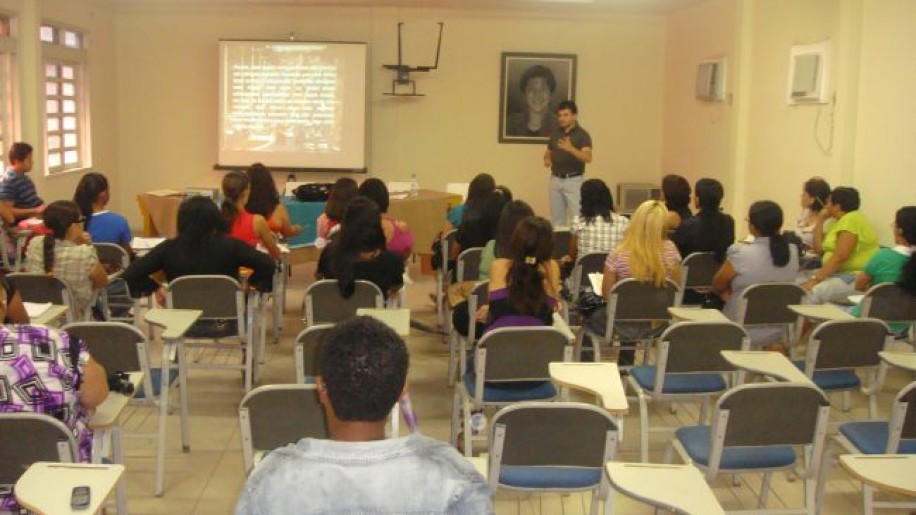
point(570, 147)
point(17, 190)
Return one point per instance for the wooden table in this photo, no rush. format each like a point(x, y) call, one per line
point(681, 488)
point(395, 318)
point(175, 323)
point(904, 360)
point(104, 425)
point(772, 364)
point(160, 214)
point(697, 315)
point(888, 472)
point(821, 312)
point(599, 379)
point(46, 487)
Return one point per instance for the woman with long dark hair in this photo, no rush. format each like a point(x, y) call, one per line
point(710, 230)
point(398, 237)
point(769, 258)
point(247, 227)
point(342, 192)
point(358, 252)
point(67, 253)
point(264, 200)
point(480, 186)
point(92, 196)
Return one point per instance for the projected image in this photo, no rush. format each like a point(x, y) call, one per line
point(282, 98)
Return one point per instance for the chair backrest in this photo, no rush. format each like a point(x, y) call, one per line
point(325, 305)
point(552, 434)
point(458, 188)
point(633, 300)
point(767, 303)
point(902, 424)
point(114, 345)
point(218, 296)
point(480, 293)
point(590, 263)
point(308, 344)
point(698, 269)
point(41, 288)
point(512, 354)
point(767, 414)
point(696, 347)
point(890, 303)
point(112, 254)
point(31, 437)
point(842, 344)
point(468, 266)
point(273, 416)
point(561, 239)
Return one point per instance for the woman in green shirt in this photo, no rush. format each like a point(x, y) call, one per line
point(845, 248)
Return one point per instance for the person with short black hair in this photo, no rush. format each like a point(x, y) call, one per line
point(676, 195)
point(16, 188)
point(536, 119)
point(363, 372)
point(597, 228)
point(845, 248)
point(813, 199)
point(568, 151)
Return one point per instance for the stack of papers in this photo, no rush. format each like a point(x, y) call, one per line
point(141, 244)
point(597, 279)
point(36, 309)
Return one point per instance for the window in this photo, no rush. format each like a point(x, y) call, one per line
point(66, 99)
point(8, 114)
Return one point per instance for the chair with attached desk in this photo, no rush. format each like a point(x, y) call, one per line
point(756, 428)
point(561, 239)
point(766, 304)
point(631, 301)
point(307, 344)
point(31, 437)
point(511, 364)
point(12, 247)
point(837, 348)
point(896, 436)
point(323, 303)
point(273, 416)
point(467, 268)
point(443, 275)
point(552, 447)
point(43, 288)
point(689, 367)
point(697, 271)
point(116, 307)
point(226, 316)
point(893, 305)
point(459, 344)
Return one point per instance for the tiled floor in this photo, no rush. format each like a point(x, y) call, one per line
point(208, 479)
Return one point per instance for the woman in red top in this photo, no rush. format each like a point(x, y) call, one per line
point(252, 229)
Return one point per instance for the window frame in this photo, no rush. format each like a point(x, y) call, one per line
point(58, 55)
point(9, 88)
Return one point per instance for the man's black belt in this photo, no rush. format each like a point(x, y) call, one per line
point(566, 175)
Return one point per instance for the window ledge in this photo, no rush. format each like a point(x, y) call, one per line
point(68, 171)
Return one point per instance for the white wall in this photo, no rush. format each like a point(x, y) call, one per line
point(167, 71)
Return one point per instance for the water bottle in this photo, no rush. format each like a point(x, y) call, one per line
point(478, 423)
point(414, 185)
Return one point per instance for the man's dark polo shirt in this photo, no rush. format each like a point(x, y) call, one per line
point(564, 163)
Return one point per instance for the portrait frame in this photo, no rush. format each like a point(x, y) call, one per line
point(515, 119)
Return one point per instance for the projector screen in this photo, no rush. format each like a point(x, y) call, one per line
point(293, 105)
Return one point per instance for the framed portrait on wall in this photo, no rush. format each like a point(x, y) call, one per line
point(530, 87)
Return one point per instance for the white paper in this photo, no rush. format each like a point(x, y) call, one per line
point(36, 309)
point(398, 196)
point(856, 299)
point(597, 279)
point(141, 243)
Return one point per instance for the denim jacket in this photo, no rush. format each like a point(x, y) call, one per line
point(414, 474)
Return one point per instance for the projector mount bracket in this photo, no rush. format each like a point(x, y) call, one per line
point(403, 71)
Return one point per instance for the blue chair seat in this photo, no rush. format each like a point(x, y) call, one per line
point(512, 392)
point(832, 379)
point(871, 437)
point(155, 376)
point(549, 477)
point(678, 383)
point(697, 441)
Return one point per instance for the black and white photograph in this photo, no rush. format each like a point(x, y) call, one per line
point(531, 86)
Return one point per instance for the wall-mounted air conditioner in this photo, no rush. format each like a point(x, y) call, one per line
point(808, 73)
point(711, 81)
point(631, 194)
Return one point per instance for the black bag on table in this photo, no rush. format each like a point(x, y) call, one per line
point(313, 192)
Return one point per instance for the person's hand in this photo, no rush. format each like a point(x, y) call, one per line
point(296, 230)
point(84, 239)
point(808, 286)
point(482, 313)
point(566, 259)
point(565, 145)
point(160, 297)
point(40, 209)
point(547, 162)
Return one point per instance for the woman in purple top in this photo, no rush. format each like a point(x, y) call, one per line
point(38, 375)
point(524, 285)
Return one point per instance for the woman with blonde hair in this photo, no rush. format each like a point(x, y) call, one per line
point(646, 255)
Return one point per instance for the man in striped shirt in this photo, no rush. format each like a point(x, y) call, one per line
point(17, 190)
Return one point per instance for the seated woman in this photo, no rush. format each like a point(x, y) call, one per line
point(848, 245)
point(813, 199)
point(646, 255)
point(61, 380)
point(244, 226)
point(67, 253)
point(893, 265)
point(769, 258)
point(397, 235)
point(343, 191)
point(676, 196)
point(264, 200)
point(513, 213)
point(524, 286)
point(15, 309)
point(597, 228)
point(480, 186)
point(202, 247)
point(710, 230)
point(92, 196)
point(358, 252)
